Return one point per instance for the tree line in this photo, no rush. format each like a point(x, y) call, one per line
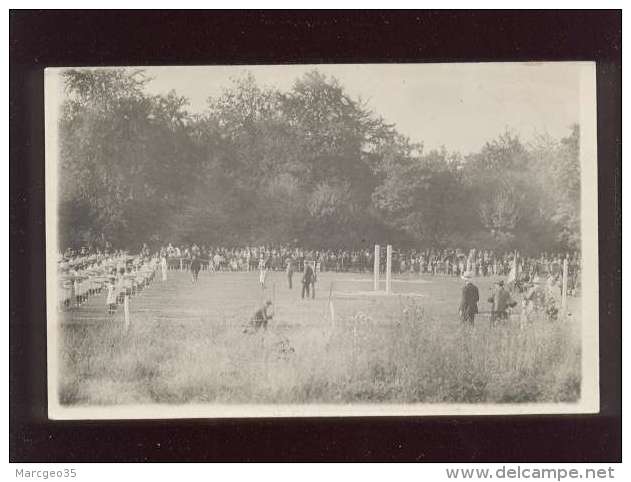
point(311, 166)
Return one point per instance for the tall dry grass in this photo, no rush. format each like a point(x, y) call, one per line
point(410, 357)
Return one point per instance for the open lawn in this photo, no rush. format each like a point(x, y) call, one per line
point(186, 345)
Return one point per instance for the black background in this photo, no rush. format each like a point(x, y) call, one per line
point(40, 39)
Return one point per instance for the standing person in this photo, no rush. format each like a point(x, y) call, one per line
point(308, 280)
point(469, 301)
point(195, 267)
point(217, 260)
point(264, 265)
point(290, 270)
point(501, 303)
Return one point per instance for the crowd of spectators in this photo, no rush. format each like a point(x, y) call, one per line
point(430, 261)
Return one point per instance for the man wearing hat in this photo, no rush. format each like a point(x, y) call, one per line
point(501, 302)
point(469, 301)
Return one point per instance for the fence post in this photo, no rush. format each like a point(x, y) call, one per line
point(388, 268)
point(275, 308)
point(331, 309)
point(564, 287)
point(126, 310)
point(354, 347)
point(376, 268)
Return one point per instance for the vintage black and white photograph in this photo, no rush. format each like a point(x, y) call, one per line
point(321, 240)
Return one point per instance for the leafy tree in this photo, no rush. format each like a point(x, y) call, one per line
point(567, 185)
point(125, 156)
point(422, 198)
point(310, 165)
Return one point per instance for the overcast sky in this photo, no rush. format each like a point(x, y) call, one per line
point(459, 106)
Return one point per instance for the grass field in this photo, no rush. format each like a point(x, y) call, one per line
point(186, 345)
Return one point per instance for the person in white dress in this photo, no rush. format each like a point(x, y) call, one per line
point(264, 265)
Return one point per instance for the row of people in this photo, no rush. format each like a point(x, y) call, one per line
point(450, 262)
point(430, 260)
point(82, 276)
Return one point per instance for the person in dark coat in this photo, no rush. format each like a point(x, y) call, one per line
point(260, 318)
point(196, 265)
point(308, 280)
point(502, 301)
point(469, 301)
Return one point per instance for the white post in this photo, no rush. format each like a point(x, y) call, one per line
point(564, 287)
point(389, 268)
point(126, 310)
point(376, 268)
point(354, 346)
point(331, 309)
point(274, 308)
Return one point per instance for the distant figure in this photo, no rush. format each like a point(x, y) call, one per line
point(308, 280)
point(248, 259)
point(260, 318)
point(469, 301)
point(502, 301)
point(217, 261)
point(290, 271)
point(264, 266)
point(195, 267)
